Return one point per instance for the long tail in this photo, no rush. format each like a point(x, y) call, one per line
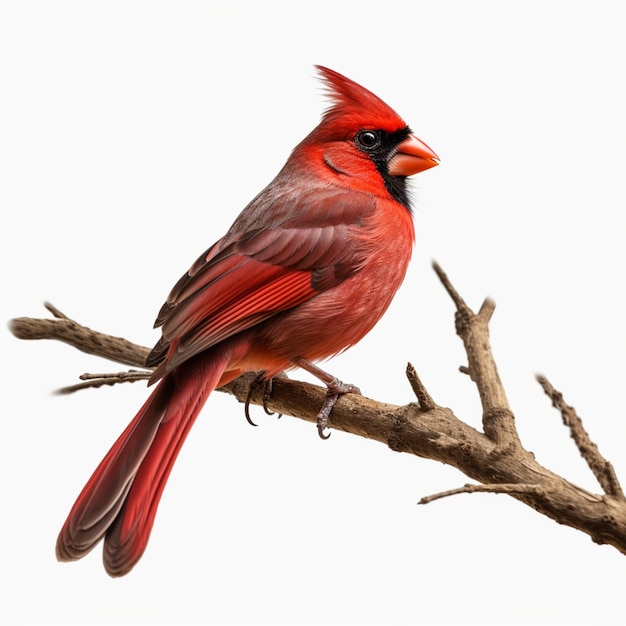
point(120, 499)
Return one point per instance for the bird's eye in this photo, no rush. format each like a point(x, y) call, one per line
point(368, 139)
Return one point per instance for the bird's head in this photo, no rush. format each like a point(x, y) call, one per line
point(361, 138)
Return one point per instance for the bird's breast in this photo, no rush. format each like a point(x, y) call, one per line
point(339, 317)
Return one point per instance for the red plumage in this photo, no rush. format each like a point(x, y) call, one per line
point(305, 271)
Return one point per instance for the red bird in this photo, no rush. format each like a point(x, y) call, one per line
point(305, 271)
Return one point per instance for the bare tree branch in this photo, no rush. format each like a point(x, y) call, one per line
point(80, 337)
point(602, 469)
point(472, 328)
point(495, 458)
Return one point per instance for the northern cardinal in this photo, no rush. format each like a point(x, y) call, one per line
point(305, 271)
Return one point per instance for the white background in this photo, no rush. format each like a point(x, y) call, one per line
point(134, 132)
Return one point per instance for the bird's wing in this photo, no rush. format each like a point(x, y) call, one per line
point(250, 276)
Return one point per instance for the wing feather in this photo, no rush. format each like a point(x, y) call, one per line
point(252, 274)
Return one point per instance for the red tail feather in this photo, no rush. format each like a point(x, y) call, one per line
point(120, 500)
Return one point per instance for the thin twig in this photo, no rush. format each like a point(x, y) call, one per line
point(424, 399)
point(93, 381)
point(486, 309)
point(55, 312)
point(602, 469)
point(452, 292)
point(509, 488)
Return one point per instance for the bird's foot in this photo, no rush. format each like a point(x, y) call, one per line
point(335, 389)
point(267, 384)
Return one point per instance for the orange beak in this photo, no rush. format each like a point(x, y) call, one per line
point(413, 156)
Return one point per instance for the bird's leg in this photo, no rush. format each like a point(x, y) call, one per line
point(267, 383)
point(335, 389)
